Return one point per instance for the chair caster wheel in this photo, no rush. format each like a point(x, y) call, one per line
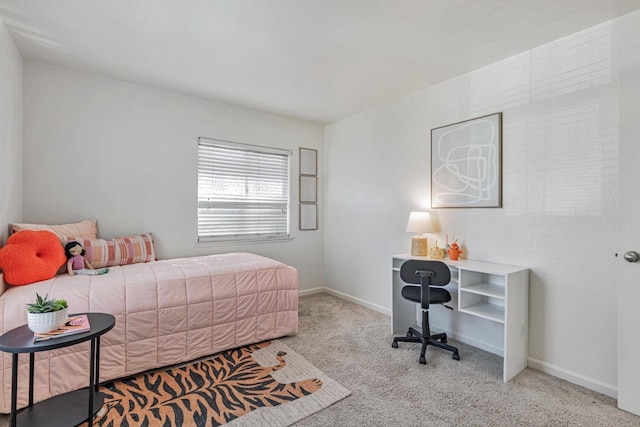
point(394, 344)
point(423, 361)
point(456, 357)
point(409, 334)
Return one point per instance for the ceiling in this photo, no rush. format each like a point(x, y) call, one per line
point(316, 60)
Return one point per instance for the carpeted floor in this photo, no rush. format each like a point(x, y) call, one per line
point(389, 387)
point(352, 344)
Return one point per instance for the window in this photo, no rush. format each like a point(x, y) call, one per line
point(243, 192)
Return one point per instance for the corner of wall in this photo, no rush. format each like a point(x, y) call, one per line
point(11, 132)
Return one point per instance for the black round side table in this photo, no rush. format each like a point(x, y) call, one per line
point(61, 410)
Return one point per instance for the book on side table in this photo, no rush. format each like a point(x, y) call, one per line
point(74, 325)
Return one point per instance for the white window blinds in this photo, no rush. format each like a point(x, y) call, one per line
point(243, 191)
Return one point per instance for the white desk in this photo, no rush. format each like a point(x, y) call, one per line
point(492, 309)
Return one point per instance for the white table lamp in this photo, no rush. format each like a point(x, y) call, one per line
point(419, 222)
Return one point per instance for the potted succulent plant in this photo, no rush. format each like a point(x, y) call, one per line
point(46, 315)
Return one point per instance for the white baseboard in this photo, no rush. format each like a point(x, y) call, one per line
point(548, 368)
point(374, 307)
point(311, 291)
point(573, 377)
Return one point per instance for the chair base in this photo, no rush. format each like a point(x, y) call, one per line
point(437, 340)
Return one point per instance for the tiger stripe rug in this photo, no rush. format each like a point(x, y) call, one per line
point(264, 384)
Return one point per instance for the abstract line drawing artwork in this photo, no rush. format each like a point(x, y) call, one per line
point(466, 164)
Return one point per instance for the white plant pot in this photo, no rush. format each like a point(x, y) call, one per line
point(47, 322)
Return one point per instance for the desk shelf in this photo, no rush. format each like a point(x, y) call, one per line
point(482, 294)
point(485, 310)
point(488, 289)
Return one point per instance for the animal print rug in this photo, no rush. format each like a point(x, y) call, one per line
point(265, 384)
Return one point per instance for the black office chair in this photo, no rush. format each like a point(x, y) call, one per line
point(427, 274)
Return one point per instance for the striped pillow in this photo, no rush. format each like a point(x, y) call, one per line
point(119, 250)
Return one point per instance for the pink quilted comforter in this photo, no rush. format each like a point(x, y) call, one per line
point(166, 312)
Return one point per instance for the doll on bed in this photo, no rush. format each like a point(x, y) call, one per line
point(77, 263)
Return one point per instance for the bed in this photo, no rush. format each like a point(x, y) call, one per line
point(167, 312)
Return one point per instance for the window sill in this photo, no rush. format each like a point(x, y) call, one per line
point(242, 242)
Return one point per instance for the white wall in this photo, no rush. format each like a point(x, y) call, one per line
point(560, 174)
point(127, 155)
point(10, 132)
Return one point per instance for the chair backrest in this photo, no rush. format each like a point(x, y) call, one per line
point(436, 272)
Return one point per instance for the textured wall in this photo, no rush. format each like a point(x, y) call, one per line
point(560, 173)
point(10, 132)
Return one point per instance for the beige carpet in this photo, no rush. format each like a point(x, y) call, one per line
point(390, 388)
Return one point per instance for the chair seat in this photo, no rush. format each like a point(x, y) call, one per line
point(437, 295)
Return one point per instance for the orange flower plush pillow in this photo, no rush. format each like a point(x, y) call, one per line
point(31, 256)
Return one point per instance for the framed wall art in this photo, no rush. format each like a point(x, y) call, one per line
point(466, 164)
point(308, 189)
point(308, 161)
point(308, 216)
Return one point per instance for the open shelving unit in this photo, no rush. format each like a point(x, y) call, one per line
point(482, 295)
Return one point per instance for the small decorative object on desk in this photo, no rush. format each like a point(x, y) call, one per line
point(46, 315)
point(446, 245)
point(75, 325)
point(454, 251)
point(436, 252)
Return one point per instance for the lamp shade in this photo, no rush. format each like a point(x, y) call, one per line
point(419, 222)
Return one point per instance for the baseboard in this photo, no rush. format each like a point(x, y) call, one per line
point(374, 307)
point(311, 291)
point(573, 377)
point(548, 368)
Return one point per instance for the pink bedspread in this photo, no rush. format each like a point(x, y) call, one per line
point(166, 312)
